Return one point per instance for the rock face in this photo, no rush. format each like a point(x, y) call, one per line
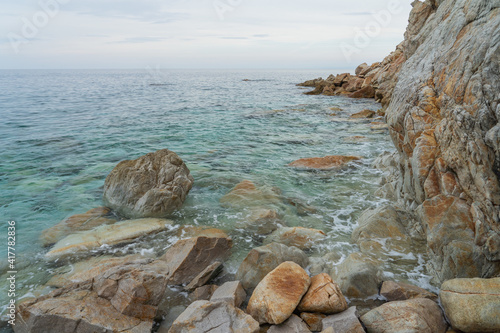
point(278, 294)
point(415, 315)
point(75, 223)
point(323, 296)
point(472, 305)
point(262, 260)
point(204, 316)
point(119, 233)
point(443, 119)
point(334, 162)
point(189, 257)
point(303, 238)
point(153, 185)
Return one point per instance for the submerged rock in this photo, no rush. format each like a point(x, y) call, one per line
point(115, 234)
point(472, 305)
point(247, 194)
point(154, 185)
point(262, 260)
point(415, 315)
point(323, 296)
point(334, 162)
point(75, 223)
point(278, 294)
point(303, 238)
point(204, 316)
point(363, 114)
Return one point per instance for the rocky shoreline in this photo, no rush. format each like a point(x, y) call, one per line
point(437, 91)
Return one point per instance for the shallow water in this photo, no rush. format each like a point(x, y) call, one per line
point(63, 132)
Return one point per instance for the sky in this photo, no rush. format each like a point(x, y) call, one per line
point(247, 34)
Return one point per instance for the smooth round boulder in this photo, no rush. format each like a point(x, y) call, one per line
point(323, 296)
point(154, 185)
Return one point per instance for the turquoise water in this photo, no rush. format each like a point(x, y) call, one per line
point(62, 132)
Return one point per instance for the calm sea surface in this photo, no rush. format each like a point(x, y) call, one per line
point(62, 132)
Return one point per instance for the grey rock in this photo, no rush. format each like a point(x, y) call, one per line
point(203, 293)
point(231, 292)
point(293, 324)
point(154, 185)
point(344, 322)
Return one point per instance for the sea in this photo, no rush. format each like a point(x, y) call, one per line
point(63, 131)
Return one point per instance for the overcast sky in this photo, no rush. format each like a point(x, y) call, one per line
point(316, 34)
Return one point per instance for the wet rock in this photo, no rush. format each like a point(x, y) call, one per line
point(378, 125)
point(262, 220)
point(203, 293)
point(247, 194)
point(115, 234)
point(303, 238)
point(278, 294)
point(292, 324)
point(334, 162)
point(356, 139)
point(170, 317)
point(323, 264)
point(363, 114)
point(204, 316)
point(262, 260)
point(154, 185)
point(472, 305)
point(358, 276)
point(335, 108)
point(75, 223)
point(189, 257)
point(313, 320)
point(231, 292)
point(344, 322)
point(323, 296)
point(210, 272)
point(414, 315)
point(399, 291)
point(189, 231)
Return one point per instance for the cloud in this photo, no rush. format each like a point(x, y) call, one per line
point(358, 13)
point(135, 40)
point(261, 35)
point(233, 37)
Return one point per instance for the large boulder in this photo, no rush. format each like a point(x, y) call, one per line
point(278, 294)
point(204, 316)
point(154, 185)
point(262, 260)
point(323, 296)
point(75, 223)
point(472, 305)
point(120, 233)
point(303, 238)
point(188, 258)
point(358, 276)
point(417, 315)
point(334, 162)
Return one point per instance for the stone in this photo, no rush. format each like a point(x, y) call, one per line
point(414, 315)
point(363, 114)
point(344, 322)
point(205, 316)
point(203, 293)
point(293, 324)
point(262, 260)
point(75, 223)
point(154, 185)
point(247, 194)
point(189, 231)
point(278, 294)
point(189, 257)
point(399, 291)
point(264, 221)
point(358, 276)
point(120, 233)
point(366, 92)
point(323, 296)
point(303, 238)
point(334, 162)
point(472, 305)
point(360, 68)
point(313, 320)
point(210, 272)
point(74, 312)
point(328, 330)
point(378, 125)
point(170, 317)
point(231, 292)
point(356, 139)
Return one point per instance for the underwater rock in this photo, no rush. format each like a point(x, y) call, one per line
point(303, 238)
point(363, 114)
point(334, 162)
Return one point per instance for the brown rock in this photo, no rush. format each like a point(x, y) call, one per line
point(231, 292)
point(278, 294)
point(189, 257)
point(313, 320)
point(154, 185)
point(247, 194)
point(203, 293)
point(303, 238)
point(210, 272)
point(189, 231)
point(75, 223)
point(324, 163)
point(366, 92)
point(414, 315)
point(398, 291)
point(323, 296)
point(363, 114)
point(344, 322)
point(293, 324)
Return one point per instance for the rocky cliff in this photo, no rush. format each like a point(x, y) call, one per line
point(441, 91)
